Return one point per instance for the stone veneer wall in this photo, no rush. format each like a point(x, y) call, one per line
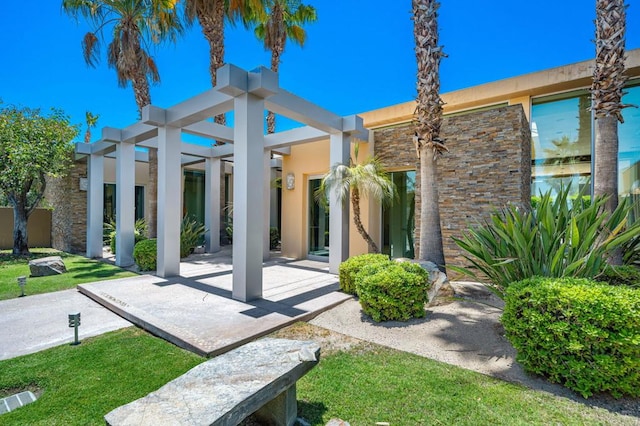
point(69, 215)
point(488, 166)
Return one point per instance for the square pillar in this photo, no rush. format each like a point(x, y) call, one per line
point(169, 206)
point(95, 205)
point(212, 204)
point(266, 195)
point(248, 201)
point(125, 203)
point(339, 150)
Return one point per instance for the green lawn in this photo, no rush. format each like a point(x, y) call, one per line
point(80, 384)
point(363, 385)
point(79, 270)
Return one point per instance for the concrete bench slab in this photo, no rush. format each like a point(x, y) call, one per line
point(259, 377)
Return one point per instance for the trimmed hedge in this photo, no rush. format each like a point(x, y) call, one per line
point(350, 267)
point(392, 291)
point(582, 334)
point(145, 254)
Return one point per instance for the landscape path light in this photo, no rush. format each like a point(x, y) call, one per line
point(74, 321)
point(22, 282)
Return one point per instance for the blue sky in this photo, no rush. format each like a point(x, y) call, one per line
point(356, 58)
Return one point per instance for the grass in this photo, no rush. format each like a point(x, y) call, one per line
point(80, 384)
point(359, 382)
point(79, 270)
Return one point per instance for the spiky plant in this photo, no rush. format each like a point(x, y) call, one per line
point(428, 118)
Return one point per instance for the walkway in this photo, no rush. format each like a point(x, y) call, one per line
point(195, 310)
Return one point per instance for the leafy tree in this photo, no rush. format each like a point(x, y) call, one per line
point(134, 26)
point(32, 147)
point(428, 119)
point(351, 181)
point(282, 21)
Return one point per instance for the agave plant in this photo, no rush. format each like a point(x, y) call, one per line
point(191, 232)
point(558, 237)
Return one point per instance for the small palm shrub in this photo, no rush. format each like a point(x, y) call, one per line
point(577, 332)
point(140, 232)
point(274, 238)
point(145, 254)
point(392, 291)
point(557, 238)
point(350, 267)
point(191, 233)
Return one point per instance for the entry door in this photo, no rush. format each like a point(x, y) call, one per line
point(398, 220)
point(318, 224)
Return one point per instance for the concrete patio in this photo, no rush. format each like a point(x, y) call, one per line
point(196, 311)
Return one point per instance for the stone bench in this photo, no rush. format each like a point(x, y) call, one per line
point(259, 377)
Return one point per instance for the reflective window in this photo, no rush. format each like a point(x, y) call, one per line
point(561, 128)
point(110, 202)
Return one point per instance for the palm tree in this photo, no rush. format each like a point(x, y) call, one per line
point(282, 21)
point(367, 179)
point(211, 15)
point(428, 117)
point(135, 25)
point(91, 120)
point(606, 91)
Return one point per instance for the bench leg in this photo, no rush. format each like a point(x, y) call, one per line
point(281, 410)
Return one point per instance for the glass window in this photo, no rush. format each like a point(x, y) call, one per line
point(194, 195)
point(561, 128)
point(318, 223)
point(398, 220)
point(110, 202)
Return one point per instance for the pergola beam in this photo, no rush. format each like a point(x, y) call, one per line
point(303, 111)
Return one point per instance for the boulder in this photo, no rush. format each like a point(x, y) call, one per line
point(52, 265)
point(437, 278)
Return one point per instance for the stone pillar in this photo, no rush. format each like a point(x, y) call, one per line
point(248, 201)
point(281, 410)
point(339, 150)
point(95, 205)
point(266, 195)
point(125, 203)
point(169, 210)
point(212, 204)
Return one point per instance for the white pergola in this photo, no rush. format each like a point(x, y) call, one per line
point(248, 94)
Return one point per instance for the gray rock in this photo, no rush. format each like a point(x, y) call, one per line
point(436, 277)
point(337, 422)
point(52, 265)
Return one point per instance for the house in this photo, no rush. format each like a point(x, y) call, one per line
point(508, 140)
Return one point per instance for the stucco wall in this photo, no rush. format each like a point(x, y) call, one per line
point(38, 228)
point(488, 166)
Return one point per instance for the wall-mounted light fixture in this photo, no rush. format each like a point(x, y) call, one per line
point(291, 181)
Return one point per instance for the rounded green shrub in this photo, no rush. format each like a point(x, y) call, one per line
point(145, 254)
point(350, 267)
point(582, 334)
point(392, 291)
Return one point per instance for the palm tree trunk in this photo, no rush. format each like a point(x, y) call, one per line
point(430, 230)
point(275, 67)
point(355, 203)
point(143, 98)
point(606, 160)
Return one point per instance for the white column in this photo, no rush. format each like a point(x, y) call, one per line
point(248, 202)
point(266, 195)
point(169, 206)
point(125, 203)
point(212, 204)
point(338, 212)
point(95, 204)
